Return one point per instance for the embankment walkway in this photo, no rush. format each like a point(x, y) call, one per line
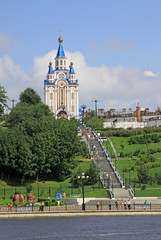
point(78, 214)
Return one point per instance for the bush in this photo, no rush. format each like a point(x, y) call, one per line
point(136, 152)
point(143, 187)
point(122, 154)
point(152, 151)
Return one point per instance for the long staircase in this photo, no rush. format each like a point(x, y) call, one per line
point(109, 176)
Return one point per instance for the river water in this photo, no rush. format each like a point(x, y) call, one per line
point(73, 228)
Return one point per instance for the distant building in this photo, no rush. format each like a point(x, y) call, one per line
point(139, 118)
point(61, 87)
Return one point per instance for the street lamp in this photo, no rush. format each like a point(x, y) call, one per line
point(83, 107)
point(96, 101)
point(13, 100)
point(83, 177)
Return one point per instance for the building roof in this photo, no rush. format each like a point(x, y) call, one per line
point(71, 68)
point(60, 52)
point(50, 68)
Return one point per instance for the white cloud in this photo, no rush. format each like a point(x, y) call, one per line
point(12, 78)
point(111, 45)
point(150, 74)
point(115, 87)
point(7, 42)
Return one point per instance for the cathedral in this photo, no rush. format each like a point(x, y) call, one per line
point(61, 87)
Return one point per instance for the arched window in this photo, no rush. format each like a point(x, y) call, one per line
point(61, 62)
point(61, 96)
point(64, 63)
point(57, 62)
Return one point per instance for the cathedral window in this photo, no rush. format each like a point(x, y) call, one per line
point(61, 62)
point(61, 96)
point(64, 63)
point(72, 95)
point(57, 62)
point(51, 96)
point(72, 108)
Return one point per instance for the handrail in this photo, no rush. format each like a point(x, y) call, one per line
point(131, 192)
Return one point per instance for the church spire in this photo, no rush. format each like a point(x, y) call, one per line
point(71, 68)
point(50, 67)
point(60, 52)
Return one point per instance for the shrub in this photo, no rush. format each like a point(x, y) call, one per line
point(122, 154)
point(136, 152)
point(143, 187)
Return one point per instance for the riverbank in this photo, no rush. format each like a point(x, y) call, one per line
point(78, 214)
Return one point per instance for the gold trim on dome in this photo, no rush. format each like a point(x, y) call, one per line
point(50, 64)
point(71, 64)
point(60, 40)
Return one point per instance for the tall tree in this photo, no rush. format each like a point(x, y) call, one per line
point(30, 96)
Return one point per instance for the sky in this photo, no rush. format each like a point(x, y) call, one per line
point(115, 46)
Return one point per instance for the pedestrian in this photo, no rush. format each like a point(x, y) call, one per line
point(125, 205)
point(11, 207)
point(97, 205)
point(116, 204)
point(8, 207)
point(129, 206)
point(145, 205)
point(42, 206)
point(122, 203)
point(109, 205)
point(58, 202)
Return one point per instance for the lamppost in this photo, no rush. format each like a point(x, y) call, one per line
point(83, 177)
point(83, 107)
point(13, 100)
point(96, 101)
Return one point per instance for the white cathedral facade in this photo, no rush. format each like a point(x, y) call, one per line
point(61, 87)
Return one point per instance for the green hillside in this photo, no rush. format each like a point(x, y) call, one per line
point(145, 154)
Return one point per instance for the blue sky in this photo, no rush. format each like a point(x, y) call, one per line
point(113, 38)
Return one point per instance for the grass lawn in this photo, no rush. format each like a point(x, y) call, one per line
point(150, 192)
point(118, 141)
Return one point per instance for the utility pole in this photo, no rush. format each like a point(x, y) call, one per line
point(96, 105)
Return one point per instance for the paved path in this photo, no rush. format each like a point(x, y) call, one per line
point(79, 214)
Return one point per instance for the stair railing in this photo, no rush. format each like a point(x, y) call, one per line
point(109, 158)
point(106, 154)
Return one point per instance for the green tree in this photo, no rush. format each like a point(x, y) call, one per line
point(93, 173)
point(143, 173)
point(3, 100)
point(30, 96)
point(94, 122)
